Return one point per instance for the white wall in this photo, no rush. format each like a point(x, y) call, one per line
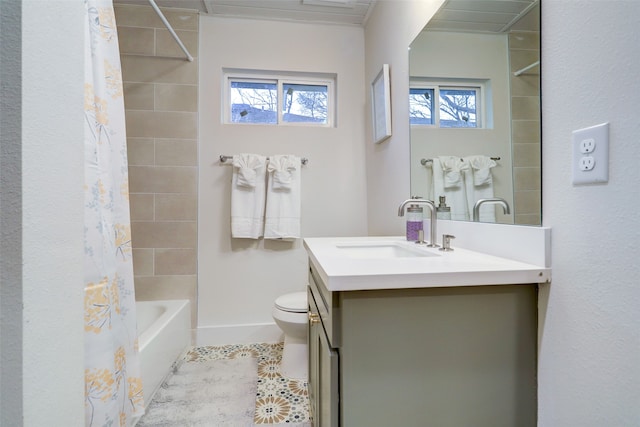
point(388, 33)
point(589, 370)
point(49, 289)
point(239, 279)
point(437, 54)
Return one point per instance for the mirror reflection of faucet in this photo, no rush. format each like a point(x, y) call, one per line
point(432, 230)
point(492, 200)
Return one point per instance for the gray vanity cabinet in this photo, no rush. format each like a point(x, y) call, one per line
point(452, 356)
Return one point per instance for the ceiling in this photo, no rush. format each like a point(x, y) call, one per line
point(482, 16)
point(346, 12)
point(487, 16)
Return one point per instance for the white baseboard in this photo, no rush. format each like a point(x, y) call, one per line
point(238, 334)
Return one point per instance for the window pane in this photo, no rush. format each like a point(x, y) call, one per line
point(420, 106)
point(304, 103)
point(458, 108)
point(253, 102)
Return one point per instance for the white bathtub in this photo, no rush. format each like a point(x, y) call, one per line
point(164, 333)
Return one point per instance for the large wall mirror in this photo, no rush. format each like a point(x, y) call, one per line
point(475, 110)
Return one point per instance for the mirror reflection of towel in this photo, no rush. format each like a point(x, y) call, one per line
point(481, 168)
point(453, 167)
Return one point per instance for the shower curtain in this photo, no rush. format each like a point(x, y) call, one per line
point(113, 387)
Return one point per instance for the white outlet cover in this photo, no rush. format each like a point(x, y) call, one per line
point(600, 154)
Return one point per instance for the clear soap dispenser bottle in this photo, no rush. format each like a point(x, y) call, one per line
point(414, 222)
point(443, 211)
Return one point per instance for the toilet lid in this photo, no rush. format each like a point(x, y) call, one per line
point(295, 302)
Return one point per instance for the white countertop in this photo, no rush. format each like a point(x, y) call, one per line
point(342, 272)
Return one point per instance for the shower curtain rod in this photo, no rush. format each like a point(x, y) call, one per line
point(170, 28)
point(525, 69)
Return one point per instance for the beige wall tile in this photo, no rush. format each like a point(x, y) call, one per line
point(164, 234)
point(526, 155)
point(169, 287)
point(176, 207)
point(141, 206)
point(150, 179)
point(138, 96)
point(524, 40)
point(519, 59)
point(140, 151)
point(181, 19)
point(160, 124)
point(142, 262)
point(525, 85)
point(136, 16)
point(173, 152)
point(137, 41)
point(172, 97)
point(525, 108)
point(158, 70)
point(526, 178)
point(525, 131)
point(528, 219)
point(175, 262)
point(167, 46)
point(527, 202)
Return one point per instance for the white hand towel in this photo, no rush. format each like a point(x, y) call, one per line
point(248, 196)
point(281, 169)
point(451, 167)
point(456, 192)
point(438, 180)
point(282, 218)
point(479, 185)
point(481, 168)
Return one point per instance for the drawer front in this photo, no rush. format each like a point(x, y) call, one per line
point(328, 308)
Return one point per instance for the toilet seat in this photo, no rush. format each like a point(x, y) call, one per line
point(295, 302)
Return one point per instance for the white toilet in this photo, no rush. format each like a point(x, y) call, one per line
point(290, 314)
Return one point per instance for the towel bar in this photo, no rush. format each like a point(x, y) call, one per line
point(225, 158)
point(425, 161)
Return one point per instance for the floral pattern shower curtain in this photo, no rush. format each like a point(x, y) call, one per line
point(113, 387)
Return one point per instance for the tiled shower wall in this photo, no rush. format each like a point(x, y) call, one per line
point(524, 49)
point(161, 107)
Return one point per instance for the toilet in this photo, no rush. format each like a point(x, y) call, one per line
point(290, 314)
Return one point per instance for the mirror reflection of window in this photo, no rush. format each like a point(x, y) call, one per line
point(458, 106)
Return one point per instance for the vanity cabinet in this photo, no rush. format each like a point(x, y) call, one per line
point(433, 356)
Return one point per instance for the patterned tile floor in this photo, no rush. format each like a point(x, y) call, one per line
point(279, 400)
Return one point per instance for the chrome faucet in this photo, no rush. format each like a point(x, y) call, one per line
point(434, 217)
point(495, 200)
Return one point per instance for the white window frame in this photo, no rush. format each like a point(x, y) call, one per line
point(280, 78)
point(462, 84)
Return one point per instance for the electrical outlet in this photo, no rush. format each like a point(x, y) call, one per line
point(587, 163)
point(587, 145)
point(590, 162)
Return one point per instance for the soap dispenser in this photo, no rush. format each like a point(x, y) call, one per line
point(414, 222)
point(443, 211)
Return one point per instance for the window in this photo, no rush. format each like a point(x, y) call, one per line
point(278, 99)
point(457, 106)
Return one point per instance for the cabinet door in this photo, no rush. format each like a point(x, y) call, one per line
point(323, 373)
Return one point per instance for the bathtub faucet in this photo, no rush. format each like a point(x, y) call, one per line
point(434, 217)
point(493, 200)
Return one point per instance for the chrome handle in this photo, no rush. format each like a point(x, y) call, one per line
point(313, 318)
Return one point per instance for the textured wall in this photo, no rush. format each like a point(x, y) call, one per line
point(161, 102)
point(589, 373)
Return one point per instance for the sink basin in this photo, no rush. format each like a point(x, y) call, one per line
point(381, 250)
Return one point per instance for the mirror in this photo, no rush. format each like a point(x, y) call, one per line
point(479, 62)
